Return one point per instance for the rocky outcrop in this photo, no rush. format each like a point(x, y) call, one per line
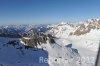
point(35, 38)
point(87, 27)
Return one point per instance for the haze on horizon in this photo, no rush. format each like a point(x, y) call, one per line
point(47, 11)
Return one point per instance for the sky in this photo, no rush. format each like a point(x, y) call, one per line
point(47, 11)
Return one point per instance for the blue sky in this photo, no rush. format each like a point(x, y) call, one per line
point(47, 11)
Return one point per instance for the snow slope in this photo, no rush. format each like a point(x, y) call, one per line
point(19, 56)
point(86, 43)
point(13, 56)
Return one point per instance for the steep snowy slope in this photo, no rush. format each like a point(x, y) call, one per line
point(62, 55)
point(17, 55)
point(85, 37)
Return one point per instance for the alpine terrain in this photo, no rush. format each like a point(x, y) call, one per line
point(63, 44)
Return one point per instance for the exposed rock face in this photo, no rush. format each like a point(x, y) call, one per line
point(37, 38)
point(82, 30)
point(87, 27)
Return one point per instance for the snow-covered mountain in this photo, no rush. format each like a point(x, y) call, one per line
point(59, 30)
point(18, 55)
point(75, 45)
point(22, 28)
point(93, 24)
point(84, 36)
point(88, 33)
point(16, 31)
point(75, 29)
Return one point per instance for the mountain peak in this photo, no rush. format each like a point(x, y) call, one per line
point(63, 23)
